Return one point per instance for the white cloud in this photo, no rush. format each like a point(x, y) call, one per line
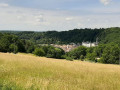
point(68, 19)
point(17, 18)
point(39, 18)
point(20, 17)
point(4, 5)
point(105, 2)
point(80, 25)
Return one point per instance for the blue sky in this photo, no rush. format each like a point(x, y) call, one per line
point(44, 15)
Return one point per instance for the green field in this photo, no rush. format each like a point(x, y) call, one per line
point(28, 72)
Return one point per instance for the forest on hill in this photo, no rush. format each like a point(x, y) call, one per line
point(110, 35)
point(108, 50)
point(72, 36)
point(63, 37)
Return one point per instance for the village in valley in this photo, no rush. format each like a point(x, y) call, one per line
point(72, 46)
point(59, 44)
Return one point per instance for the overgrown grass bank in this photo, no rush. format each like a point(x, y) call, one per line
point(28, 72)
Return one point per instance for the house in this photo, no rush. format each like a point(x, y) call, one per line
point(67, 47)
point(89, 44)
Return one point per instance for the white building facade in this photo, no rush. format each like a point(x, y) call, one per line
point(89, 44)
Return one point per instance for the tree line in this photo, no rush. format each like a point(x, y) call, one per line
point(104, 35)
point(12, 44)
point(107, 51)
point(103, 53)
point(63, 37)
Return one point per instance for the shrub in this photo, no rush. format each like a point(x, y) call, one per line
point(69, 58)
point(13, 48)
point(30, 49)
point(81, 57)
point(39, 52)
point(111, 54)
point(92, 56)
point(76, 53)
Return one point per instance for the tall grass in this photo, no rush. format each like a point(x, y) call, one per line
point(28, 72)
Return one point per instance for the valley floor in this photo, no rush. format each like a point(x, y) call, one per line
point(28, 72)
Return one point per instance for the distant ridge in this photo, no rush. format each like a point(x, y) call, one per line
point(106, 35)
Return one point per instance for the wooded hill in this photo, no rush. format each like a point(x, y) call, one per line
point(72, 36)
point(110, 35)
point(63, 37)
point(107, 51)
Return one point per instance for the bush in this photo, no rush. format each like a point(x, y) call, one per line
point(111, 54)
point(55, 52)
point(76, 53)
point(39, 52)
point(92, 56)
point(49, 51)
point(81, 57)
point(30, 49)
point(69, 58)
point(63, 57)
point(13, 48)
point(49, 56)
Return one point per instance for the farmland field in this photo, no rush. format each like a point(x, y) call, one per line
point(28, 72)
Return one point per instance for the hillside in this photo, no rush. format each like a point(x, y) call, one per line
point(110, 35)
point(63, 37)
point(104, 36)
point(28, 72)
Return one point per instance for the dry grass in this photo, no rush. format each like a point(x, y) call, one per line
point(28, 72)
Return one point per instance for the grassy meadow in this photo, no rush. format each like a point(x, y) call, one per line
point(28, 72)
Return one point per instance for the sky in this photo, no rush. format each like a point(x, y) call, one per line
point(60, 15)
